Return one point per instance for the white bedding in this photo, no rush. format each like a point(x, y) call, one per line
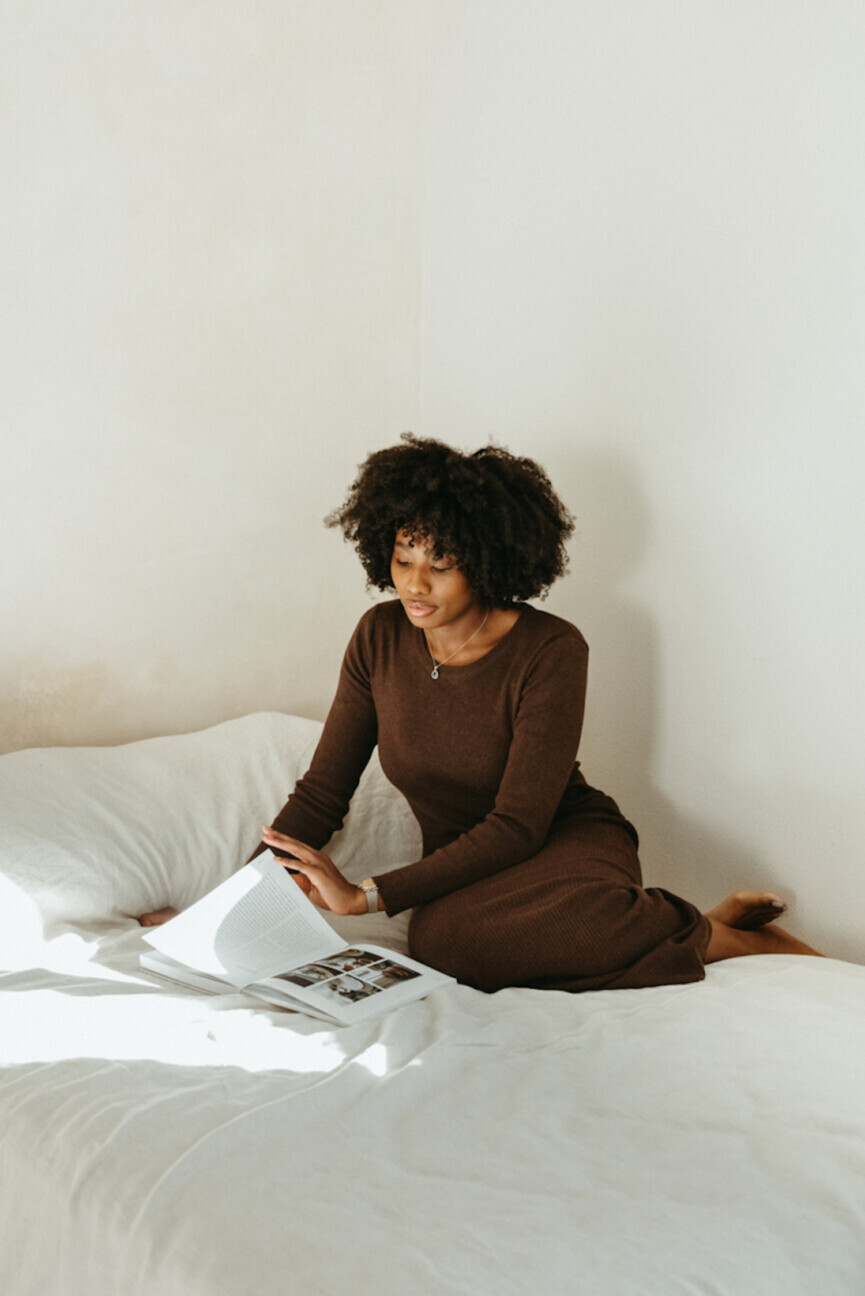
point(698, 1139)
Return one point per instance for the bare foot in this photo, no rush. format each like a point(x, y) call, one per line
point(158, 917)
point(748, 910)
point(732, 942)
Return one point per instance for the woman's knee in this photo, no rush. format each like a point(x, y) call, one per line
point(428, 933)
point(443, 937)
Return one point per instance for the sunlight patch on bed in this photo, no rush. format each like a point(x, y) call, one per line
point(50, 1025)
point(374, 1059)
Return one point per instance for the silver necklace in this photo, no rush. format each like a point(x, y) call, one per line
point(445, 660)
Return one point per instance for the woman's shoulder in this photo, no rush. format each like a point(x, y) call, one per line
point(547, 628)
point(549, 660)
point(382, 618)
point(369, 646)
point(380, 622)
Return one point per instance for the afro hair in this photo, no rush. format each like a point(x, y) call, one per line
point(495, 513)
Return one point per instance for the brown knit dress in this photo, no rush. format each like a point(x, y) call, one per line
point(529, 877)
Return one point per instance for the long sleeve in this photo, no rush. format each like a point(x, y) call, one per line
point(546, 699)
point(319, 803)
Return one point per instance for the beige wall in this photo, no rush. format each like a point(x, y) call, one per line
point(209, 313)
point(244, 244)
point(644, 264)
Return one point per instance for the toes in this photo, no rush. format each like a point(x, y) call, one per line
point(754, 909)
point(749, 910)
point(758, 899)
point(157, 917)
point(760, 917)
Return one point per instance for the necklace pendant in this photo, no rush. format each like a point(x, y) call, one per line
point(435, 670)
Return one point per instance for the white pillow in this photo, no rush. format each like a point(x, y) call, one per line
point(100, 834)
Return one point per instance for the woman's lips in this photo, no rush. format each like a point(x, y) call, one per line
point(420, 609)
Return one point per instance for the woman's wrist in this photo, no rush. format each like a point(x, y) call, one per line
point(358, 906)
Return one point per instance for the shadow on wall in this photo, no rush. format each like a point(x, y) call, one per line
point(626, 707)
point(42, 704)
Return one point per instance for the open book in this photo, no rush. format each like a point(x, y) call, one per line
point(258, 932)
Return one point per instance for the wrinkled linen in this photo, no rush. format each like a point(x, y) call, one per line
point(707, 1138)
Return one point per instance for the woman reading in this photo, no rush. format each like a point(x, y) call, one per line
point(475, 698)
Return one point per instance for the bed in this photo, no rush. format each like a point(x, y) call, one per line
point(158, 1142)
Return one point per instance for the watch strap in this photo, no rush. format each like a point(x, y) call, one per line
point(370, 890)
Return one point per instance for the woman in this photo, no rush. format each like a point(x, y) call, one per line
point(475, 698)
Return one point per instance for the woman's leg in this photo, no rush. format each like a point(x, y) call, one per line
point(575, 917)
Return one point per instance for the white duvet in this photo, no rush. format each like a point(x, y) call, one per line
point(697, 1139)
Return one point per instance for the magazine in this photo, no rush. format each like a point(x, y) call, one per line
point(260, 933)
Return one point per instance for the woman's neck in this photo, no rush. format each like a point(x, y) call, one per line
point(466, 643)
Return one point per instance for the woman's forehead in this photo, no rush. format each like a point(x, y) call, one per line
point(418, 539)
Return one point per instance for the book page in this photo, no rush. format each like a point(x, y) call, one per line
point(256, 923)
point(359, 982)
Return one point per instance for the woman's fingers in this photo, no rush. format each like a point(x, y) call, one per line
point(305, 857)
point(302, 856)
point(327, 886)
point(299, 849)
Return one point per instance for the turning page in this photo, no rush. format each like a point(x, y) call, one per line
point(256, 924)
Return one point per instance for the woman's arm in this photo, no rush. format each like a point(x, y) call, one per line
point(319, 803)
point(320, 800)
point(540, 763)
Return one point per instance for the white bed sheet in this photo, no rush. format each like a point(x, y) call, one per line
point(703, 1139)
point(694, 1139)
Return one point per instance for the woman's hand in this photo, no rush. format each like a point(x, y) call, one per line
point(318, 876)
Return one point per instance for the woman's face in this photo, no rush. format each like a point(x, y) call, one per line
point(433, 590)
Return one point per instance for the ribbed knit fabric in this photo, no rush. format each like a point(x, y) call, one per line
point(528, 876)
